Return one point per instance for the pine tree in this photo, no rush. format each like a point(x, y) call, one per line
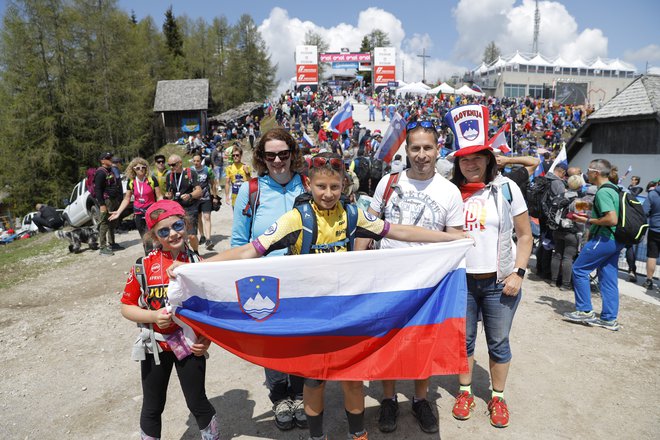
point(173, 37)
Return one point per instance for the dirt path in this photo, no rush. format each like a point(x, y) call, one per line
point(67, 373)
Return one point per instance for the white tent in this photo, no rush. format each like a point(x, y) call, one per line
point(417, 88)
point(465, 90)
point(442, 88)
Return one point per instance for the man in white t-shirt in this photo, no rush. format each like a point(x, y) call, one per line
point(424, 198)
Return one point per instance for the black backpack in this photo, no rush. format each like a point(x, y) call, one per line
point(538, 197)
point(632, 223)
point(556, 215)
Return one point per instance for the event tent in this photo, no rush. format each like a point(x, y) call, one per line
point(442, 88)
point(416, 88)
point(466, 90)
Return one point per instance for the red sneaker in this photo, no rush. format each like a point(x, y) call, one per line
point(499, 413)
point(463, 407)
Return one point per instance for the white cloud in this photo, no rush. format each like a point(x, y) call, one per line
point(648, 53)
point(282, 33)
point(512, 28)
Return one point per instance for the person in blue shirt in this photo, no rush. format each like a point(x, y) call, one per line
point(278, 162)
point(652, 210)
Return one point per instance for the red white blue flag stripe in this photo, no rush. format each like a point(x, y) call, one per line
point(394, 137)
point(336, 316)
point(343, 119)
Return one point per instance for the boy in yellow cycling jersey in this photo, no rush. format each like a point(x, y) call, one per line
point(326, 180)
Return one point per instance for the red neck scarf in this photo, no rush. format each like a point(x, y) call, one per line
point(468, 189)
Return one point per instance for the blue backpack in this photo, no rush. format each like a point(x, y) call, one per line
point(310, 230)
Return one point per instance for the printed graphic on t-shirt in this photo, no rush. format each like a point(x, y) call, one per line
point(475, 215)
point(414, 208)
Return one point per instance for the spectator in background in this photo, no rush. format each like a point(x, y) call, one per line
point(566, 239)
point(544, 251)
point(161, 172)
point(108, 193)
point(635, 188)
point(398, 165)
point(47, 217)
point(652, 210)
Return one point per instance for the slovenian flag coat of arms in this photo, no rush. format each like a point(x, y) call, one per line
point(336, 316)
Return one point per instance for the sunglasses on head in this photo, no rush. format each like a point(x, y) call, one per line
point(269, 156)
point(424, 124)
point(173, 164)
point(335, 164)
point(177, 226)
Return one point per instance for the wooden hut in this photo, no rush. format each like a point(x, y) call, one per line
point(183, 105)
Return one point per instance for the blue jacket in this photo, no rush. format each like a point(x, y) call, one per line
point(652, 209)
point(274, 201)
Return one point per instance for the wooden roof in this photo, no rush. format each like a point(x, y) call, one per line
point(181, 95)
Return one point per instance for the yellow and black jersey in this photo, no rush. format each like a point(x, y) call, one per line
point(331, 235)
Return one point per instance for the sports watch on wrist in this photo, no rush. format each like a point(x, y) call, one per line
point(519, 271)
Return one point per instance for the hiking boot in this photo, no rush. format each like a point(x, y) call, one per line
point(565, 289)
point(299, 416)
point(209, 244)
point(499, 413)
point(424, 415)
point(359, 436)
point(106, 251)
point(632, 277)
point(462, 409)
point(389, 410)
point(612, 325)
point(283, 414)
point(202, 239)
point(117, 247)
point(578, 316)
point(648, 284)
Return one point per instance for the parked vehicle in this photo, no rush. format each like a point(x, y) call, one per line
point(81, 207)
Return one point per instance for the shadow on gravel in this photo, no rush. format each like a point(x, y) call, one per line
point(560, 305)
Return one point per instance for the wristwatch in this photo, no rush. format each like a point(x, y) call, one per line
point(519, 271)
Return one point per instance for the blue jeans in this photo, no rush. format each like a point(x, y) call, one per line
point(497, 311)
point(603, 254)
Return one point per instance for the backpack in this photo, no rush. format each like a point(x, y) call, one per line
point(556, 215)
point(362, 169)
point(309, 226)
point(376, 169)
point(632, 222)
point(538, 195)
point(89, 180)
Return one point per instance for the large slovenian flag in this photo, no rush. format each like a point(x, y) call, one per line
point(561, 158)
point(336, 316)
point(343, 119)
point(394, 137)
point(499, 139)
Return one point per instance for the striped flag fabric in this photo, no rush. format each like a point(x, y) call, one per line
point(499, 139)
point(394, 137)
point(561, 158)
point(307, 140)
point(335, 316)
point(343, 119)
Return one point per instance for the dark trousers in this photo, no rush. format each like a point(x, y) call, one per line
point(42, 223)
point(192, 376)
point(283, 386)
point(107, 228)
point(566, 247)
point(544, 256)
point(630, 258)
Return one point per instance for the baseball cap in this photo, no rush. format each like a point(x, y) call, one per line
point(106, 155)
point(169, 207)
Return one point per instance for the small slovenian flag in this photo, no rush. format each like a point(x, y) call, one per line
point(394, 137)
point(499, 139)
point(476, 88)
point(539, 169)
point(561, 158)
point(343, 119)
point(307, 140)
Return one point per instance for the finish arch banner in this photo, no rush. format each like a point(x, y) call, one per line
point(307, 68)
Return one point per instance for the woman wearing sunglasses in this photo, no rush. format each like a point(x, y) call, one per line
point(278, 161)
point(237, 173)
point(145, 302)
point(144, 189)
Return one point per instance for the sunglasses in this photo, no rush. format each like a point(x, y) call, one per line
point(139, 167)
point(160, 161)
point(335, 164)
point(173, 164)
point(269, 156)
point(235, 155)
point(424, 124)
point(177, 226)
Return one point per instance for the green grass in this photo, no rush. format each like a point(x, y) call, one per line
point(23, 259)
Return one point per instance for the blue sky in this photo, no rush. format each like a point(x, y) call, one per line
point(453, 33)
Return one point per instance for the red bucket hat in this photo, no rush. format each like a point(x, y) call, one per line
point(169, 208)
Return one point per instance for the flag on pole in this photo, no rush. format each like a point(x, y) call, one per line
point(307, 140)
point(343, 119)
point(394, 137)
point(499, 139)
point(335, 316)
point(561, 158)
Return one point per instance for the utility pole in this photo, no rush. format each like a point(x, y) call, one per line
point(403, 69)
point(537, 25)
point(423, 56)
